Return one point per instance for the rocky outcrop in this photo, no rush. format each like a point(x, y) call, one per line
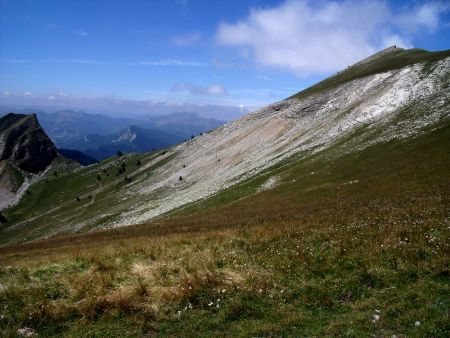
point(24, 143)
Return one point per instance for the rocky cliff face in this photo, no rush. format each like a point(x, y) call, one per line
point(24, 143)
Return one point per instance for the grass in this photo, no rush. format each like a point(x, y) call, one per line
point(338, 241)
point(64, 197)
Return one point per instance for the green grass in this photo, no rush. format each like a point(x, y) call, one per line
point(51, 204)
point(314, 256)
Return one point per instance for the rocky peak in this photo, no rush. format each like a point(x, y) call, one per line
point(24, 143)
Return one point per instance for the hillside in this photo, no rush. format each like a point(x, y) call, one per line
point(325, 214)
point(395, 104)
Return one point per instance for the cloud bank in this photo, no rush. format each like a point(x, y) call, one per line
point(117, 106)
point(308, 37)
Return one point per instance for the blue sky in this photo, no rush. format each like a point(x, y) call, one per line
point(221, 58)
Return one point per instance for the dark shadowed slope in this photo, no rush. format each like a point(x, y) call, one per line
point(24, 143)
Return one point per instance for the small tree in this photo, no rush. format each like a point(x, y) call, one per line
point(99, 178)
point(119, 153)
point(3, 218)
point(138, 162)
point(78, 199)
point(181, 178)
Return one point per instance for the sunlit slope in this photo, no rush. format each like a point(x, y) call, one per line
point(361, 110)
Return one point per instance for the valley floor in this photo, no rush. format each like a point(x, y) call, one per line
point(356, 246)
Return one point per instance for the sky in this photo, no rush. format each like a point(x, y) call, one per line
point(220, 58)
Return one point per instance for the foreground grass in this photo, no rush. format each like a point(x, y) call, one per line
point(356, 246)
point(275, 279)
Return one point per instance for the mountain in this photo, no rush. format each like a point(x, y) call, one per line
point(372, 102)
point(183, 124)
point(77, 156)
point(325, 214)
point(67, 128)
point(131, 139)
point(24, 149)
point(24, 143)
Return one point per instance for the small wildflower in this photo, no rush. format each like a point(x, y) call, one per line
point(417, 324)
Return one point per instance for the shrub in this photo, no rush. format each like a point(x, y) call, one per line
point(119, 153)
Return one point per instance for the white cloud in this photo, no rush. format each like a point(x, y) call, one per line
point(117, 106)
point(81, 32)
point(187, 39)
point(27, 94)
point(6, 93)
point(214, 89)
point(424, 16)
point(51, 98)
point(395, 40)
point(308, 37)
point(263, 77)
point(172, 63)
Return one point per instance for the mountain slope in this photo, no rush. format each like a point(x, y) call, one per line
point(400, 103)
point(77, 156)
point(343, 232)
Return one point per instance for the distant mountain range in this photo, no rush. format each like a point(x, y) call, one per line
point(131, 139)
point(99, 136)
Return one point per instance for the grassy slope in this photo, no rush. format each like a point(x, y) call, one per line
point(317, 255)
point(52, 203)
